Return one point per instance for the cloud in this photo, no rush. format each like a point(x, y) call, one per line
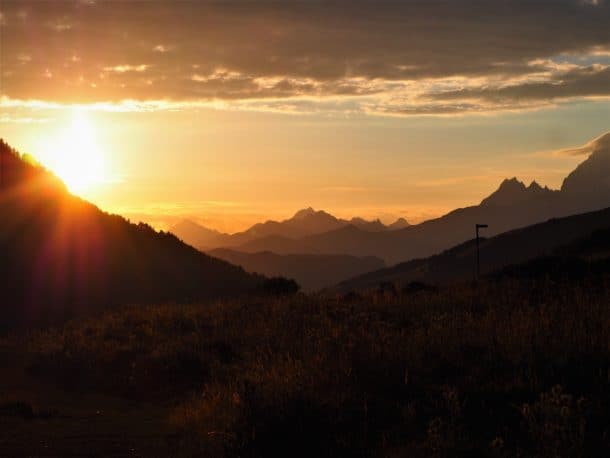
point(162, 49)
point(577, 82)
point(60, 25)
point(457, 181)
point(601, 142)
point(344, 189)
point(126, 68)
point(24, 58)
point(387, 57)
point(7, 119)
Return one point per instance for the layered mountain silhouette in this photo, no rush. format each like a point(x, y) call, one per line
point(304, 223)
point(62, 255)
point(511, 248)
point(311, 271)
point(512, 205)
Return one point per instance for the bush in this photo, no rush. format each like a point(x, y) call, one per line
point(280, 286)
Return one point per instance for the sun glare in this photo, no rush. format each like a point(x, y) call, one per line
point(75, 155)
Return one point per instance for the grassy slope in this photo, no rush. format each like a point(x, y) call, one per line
point(516, 366)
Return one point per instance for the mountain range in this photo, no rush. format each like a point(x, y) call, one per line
point(304, 223)
point(514, 247)
point(512, 205)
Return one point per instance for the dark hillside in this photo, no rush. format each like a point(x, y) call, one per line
point(62, 255)
point(513, 247)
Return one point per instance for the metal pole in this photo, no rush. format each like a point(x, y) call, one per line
point(478, 256)
point(477, 227)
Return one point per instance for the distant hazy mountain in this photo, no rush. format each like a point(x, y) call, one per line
point(400, 223)
point(511, 206)
point(304, 223)
point(369, 226)
point(312, 272)
point(61, 255)
point(510, 248)
point(415, 241)
point(197, 235)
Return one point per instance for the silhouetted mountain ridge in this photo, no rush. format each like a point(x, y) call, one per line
point(62, 255)
point(512, 191)
point(303, 223)
point(400, 223)
point(511, 206)
point(510, 248)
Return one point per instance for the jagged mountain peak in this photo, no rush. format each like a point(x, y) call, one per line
point(534, 186)
point(400, 223)
point(359, 220)
point(367, 225)
point(512, 184)
point(304, 213)
point(510, 190)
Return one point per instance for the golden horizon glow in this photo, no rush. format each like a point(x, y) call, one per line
point(75, 156)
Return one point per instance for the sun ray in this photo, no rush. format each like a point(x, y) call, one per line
point(75, 155)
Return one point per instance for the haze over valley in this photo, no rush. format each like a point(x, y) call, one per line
point(317, 233)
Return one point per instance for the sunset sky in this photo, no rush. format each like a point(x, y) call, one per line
point(234, 112)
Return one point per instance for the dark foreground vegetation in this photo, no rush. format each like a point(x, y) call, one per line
point(516, 366)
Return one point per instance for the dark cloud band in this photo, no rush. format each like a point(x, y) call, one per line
point(401, 57)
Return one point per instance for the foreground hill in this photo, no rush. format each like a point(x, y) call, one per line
point(312, 272)
point(511, 206)
point(511, 368)
point(62, 255)
point(304, 223)
point(513, 247)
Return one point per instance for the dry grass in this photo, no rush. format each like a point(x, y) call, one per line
point(458, 372)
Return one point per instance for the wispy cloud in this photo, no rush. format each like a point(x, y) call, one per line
point(126, 68)
point(162, 49)
point(457, 181)
point(344, 189)
point(7, 119)
point(603, 141)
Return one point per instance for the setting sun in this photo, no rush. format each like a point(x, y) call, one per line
point(75, 156)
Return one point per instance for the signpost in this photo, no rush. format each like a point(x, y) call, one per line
point(477, 227)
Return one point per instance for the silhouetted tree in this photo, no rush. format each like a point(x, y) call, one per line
point(280, 286)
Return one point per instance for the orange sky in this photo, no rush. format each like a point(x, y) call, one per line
point(232, 114)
